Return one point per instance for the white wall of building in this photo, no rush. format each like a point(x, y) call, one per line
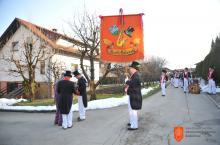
point(21, 35)
point(69, 62)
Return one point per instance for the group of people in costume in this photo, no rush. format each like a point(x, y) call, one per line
point(64, 90)
point(181, 79)
point(184, 78)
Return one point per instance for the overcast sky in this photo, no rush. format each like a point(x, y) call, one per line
point(178, 30)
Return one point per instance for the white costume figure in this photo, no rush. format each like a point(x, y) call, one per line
point(181, 79)
point(172, 80)
point(211, 81)
point(186, 77)
point(176, 79)
point(82, 95)
point(163, 79)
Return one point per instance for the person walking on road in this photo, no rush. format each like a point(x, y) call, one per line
point(186, 78)
point(163, 80)
point(176, 79)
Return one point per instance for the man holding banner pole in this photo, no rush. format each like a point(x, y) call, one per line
point(121, 40)
point(133, 89)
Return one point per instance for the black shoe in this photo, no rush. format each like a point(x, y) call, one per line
point(70, 127)
point(79, 119)
point(129, 128)
point(163, 95)
point(129, 124)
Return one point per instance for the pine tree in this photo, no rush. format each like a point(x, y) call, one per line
point(212, 59)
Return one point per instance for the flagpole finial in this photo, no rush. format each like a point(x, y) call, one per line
point(121, 11)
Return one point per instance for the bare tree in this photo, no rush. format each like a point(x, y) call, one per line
point(53, 73)
point(25, 60)
point(151, 68)
point(54, 70)
point(86, 29)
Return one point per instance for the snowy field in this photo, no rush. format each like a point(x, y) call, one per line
point(6, 104)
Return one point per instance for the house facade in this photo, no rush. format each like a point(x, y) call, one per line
point(58, 48)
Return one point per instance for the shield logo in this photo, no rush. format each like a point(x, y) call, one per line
point(178, 133)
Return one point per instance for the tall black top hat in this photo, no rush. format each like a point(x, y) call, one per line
point(135, 65)
point(76, 73)
point(68, 73)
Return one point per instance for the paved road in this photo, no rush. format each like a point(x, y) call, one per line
point(196, 113)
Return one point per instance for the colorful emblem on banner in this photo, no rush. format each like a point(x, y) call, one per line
point(122, 38)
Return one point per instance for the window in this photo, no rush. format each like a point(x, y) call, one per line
point(42, 67)
point(15, 46)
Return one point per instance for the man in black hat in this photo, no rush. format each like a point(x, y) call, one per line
point(65, 89)
point(133, 89)
point(82, 95)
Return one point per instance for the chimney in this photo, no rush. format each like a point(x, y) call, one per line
point(54, 30)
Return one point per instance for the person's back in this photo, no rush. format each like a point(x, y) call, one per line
point(66, 87)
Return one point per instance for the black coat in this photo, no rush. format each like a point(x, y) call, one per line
point(65, 89)
point(134, 92)
point(82, 90)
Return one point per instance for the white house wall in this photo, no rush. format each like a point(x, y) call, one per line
point(20, 35)
point(68, 61)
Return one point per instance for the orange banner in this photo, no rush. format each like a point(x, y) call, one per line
point(122, 38)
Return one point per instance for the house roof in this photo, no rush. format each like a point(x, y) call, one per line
point(48, 35)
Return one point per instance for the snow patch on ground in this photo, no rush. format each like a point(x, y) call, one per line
point(6, 104)
point(9, 102)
